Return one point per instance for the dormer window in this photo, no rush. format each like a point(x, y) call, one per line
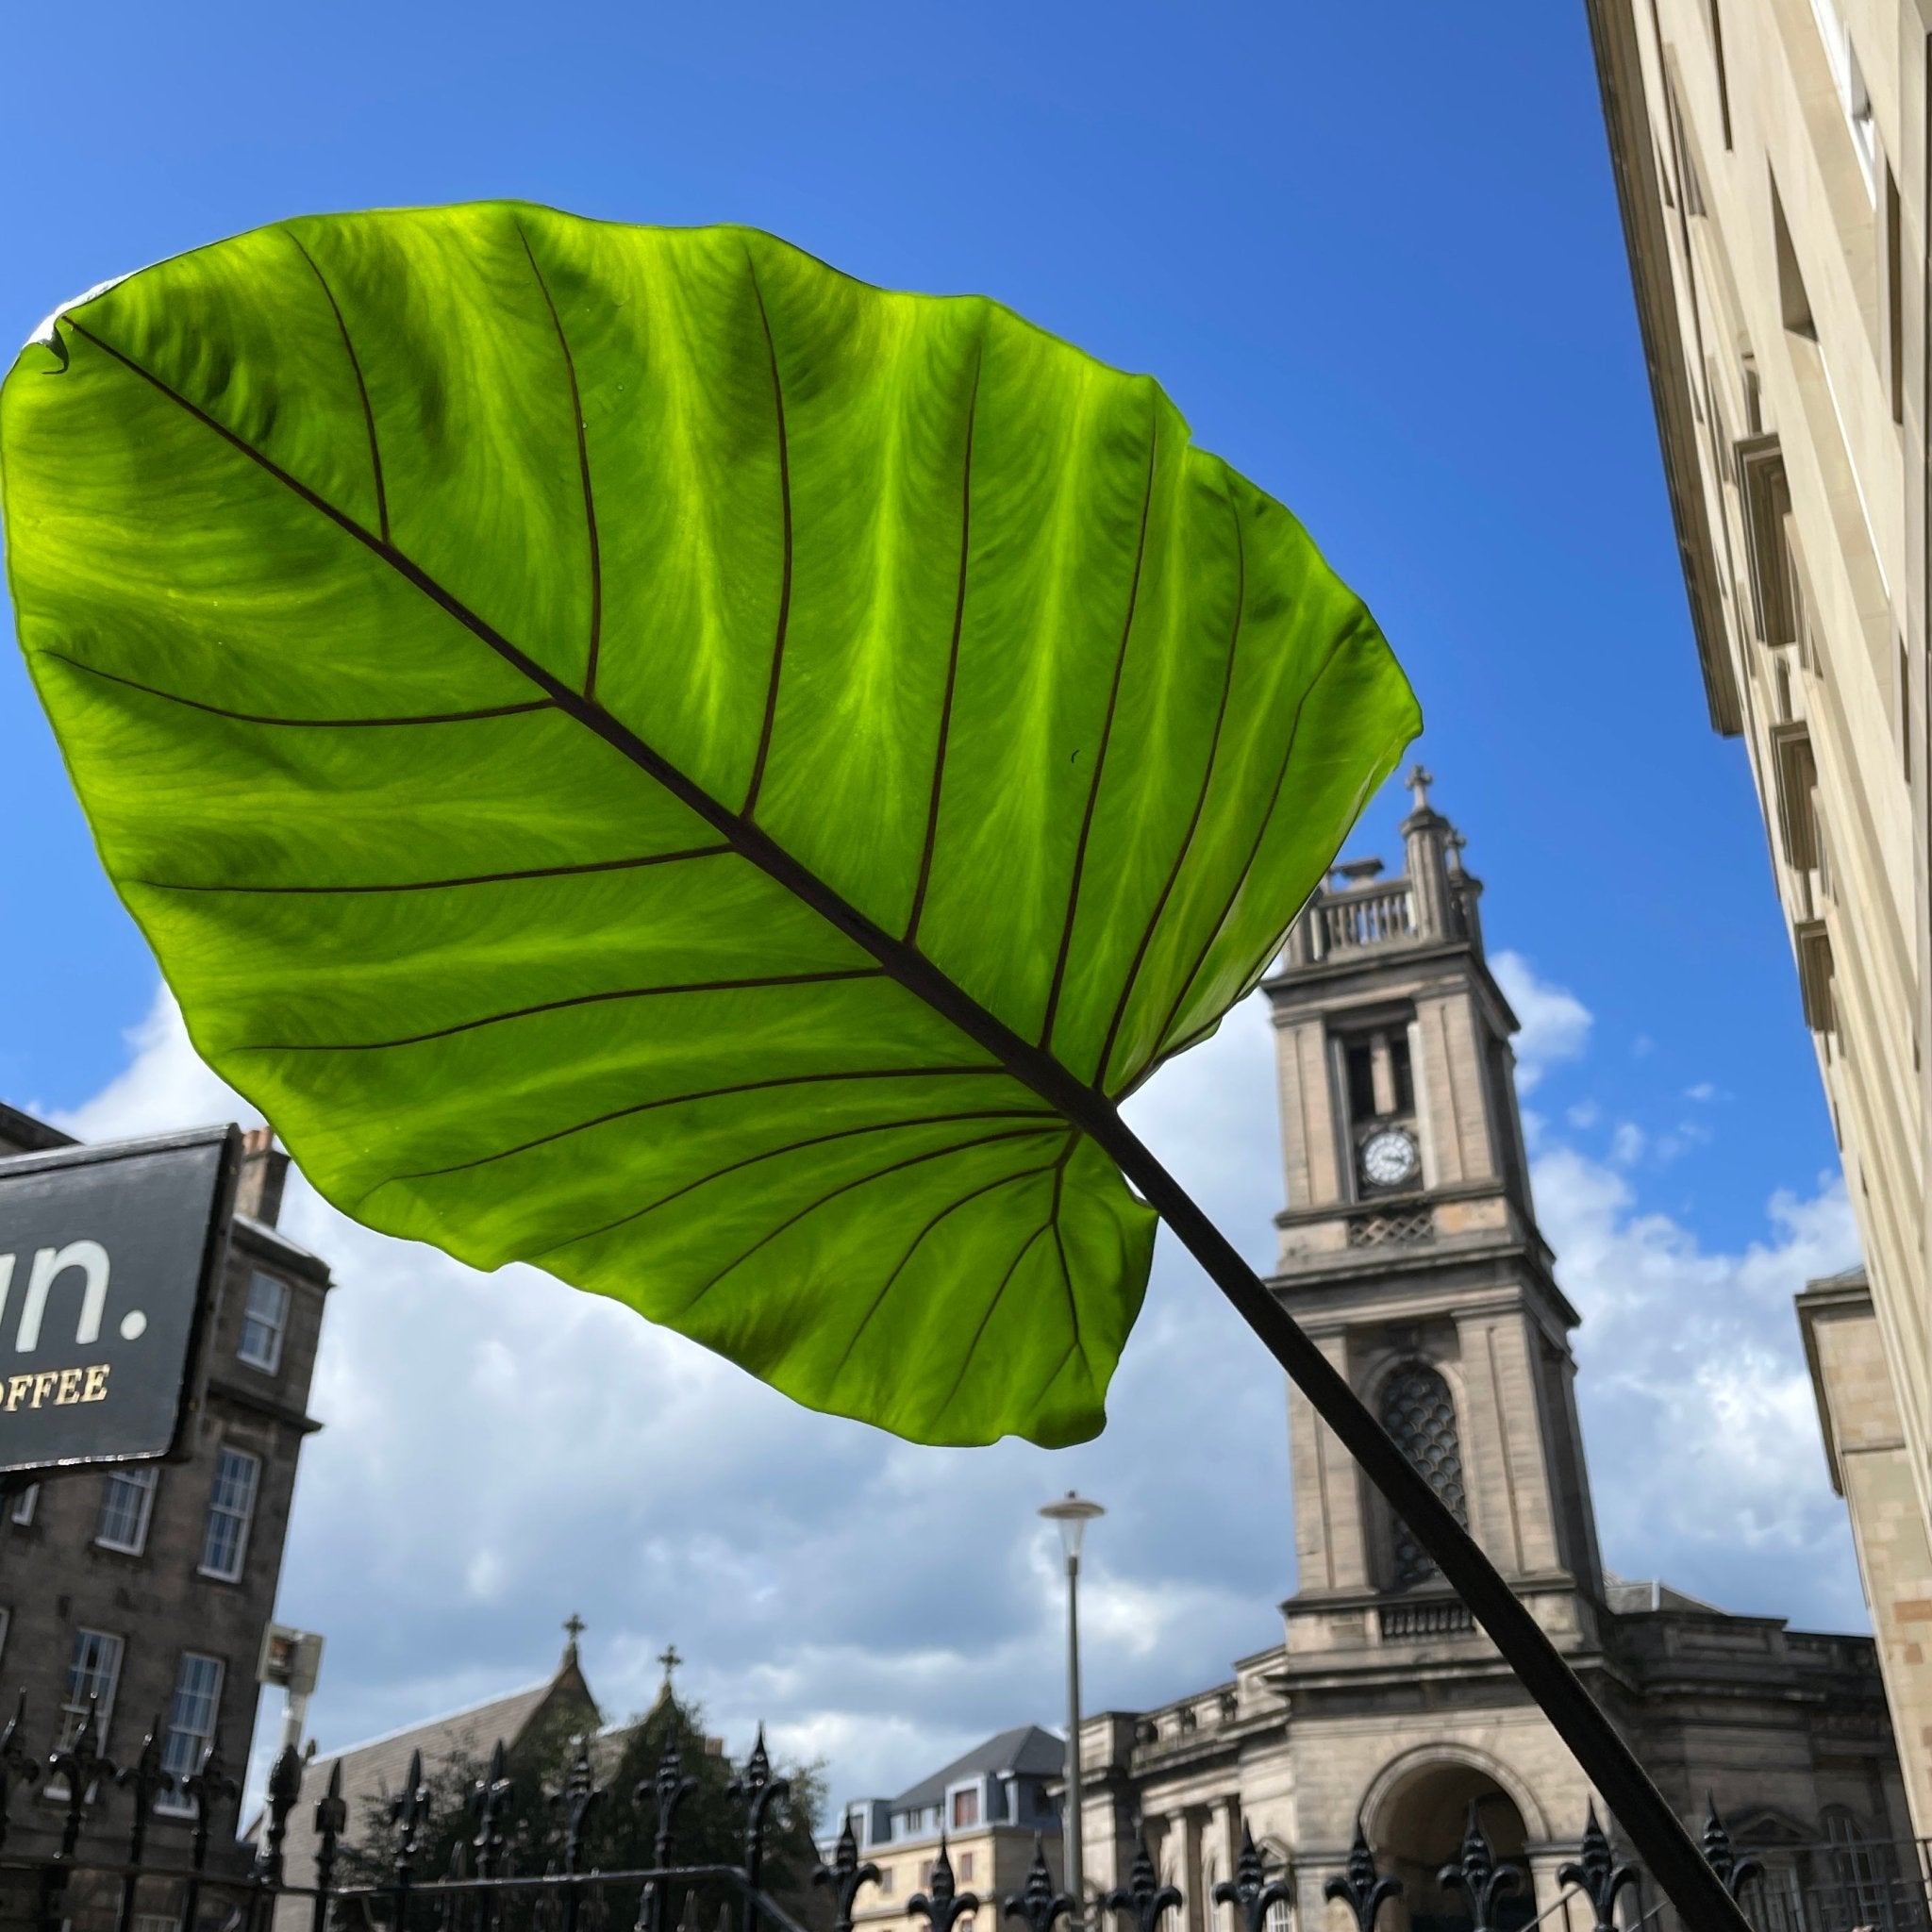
point(965, 1807)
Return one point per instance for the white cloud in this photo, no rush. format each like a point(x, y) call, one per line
point(1704, 1449)
point(1627, 1144)
point(500, 1451)
point(166, 1086)
point(1555, 1024)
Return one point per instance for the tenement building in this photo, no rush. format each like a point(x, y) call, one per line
point(1772, 162)
point(143, 1593)
point(983, 1814)
point(1409, 1250)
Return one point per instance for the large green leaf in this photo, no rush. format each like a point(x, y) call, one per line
point(645, 756)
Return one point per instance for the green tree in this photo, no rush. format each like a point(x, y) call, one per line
point(619, 1829)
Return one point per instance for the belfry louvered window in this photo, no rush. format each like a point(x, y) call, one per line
point(1419, 1411)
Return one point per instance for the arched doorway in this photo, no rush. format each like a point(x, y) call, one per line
point(1419, 1827)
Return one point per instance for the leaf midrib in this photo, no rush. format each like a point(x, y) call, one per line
point(1085, 1107)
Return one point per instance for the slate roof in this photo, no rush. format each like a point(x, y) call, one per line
point(1025, 1749)
point(378, 1768)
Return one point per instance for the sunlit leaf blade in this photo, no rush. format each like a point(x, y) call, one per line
point(537, 682)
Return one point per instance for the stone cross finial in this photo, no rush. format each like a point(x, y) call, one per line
point(669, 1658)
point(574, 1627)
point(1418, 781)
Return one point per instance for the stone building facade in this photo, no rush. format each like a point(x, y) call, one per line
point(1775, 169)
point(149, 1588)
point(1409, 1250)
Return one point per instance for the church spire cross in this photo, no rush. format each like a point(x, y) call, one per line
point(669, 1658)
point(1419, 780)
point(574, 1627)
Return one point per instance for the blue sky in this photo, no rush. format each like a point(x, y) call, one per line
point(1374, 256)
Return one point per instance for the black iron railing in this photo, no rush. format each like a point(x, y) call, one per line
point(64, 1884)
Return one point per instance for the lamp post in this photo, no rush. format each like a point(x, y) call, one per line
point(1072, 1514)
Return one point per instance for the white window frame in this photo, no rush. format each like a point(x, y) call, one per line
point(175, 1802)
point(243, 1514)
point(143, 1480)
point(25, 1504)
point(74, 1708)
point(269, 1362)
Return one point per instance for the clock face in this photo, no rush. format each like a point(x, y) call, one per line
point(1390, 1158)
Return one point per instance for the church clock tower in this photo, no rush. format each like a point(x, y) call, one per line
point(1410, 1253)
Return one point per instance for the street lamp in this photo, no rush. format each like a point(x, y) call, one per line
point(1072, 1514)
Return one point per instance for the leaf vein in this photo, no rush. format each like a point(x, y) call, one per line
point(691, 1187)
point(1059, 1182)
point(1119, 661)
point(862, 1180)
point(582, 999)
point(939, 763)
point(683, 1099)
point(1180, 857)
point(576, 414)
point(972, 1348)
point(757, 770)
point(361, 386)
point(301, 724)
point(478, 878)
point(899, 1267)
point(1341, 642)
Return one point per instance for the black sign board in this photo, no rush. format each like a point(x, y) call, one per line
point(109, 1261)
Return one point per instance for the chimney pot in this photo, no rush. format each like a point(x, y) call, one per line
point(265, 1173)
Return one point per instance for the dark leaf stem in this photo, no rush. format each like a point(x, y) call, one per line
point(1694, 1888)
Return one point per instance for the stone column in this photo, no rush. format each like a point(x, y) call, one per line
point(1544, 1865)
point(1228, 1852)
point(1188, 1873)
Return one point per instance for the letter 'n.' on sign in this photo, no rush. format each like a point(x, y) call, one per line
point(109, 1264)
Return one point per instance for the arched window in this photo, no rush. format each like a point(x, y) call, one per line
point(1419, 1411)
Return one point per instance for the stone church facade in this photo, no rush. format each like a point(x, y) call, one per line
point(1411, 1252)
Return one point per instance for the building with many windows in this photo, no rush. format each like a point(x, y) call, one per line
point(1774, 162)
point(144, 1592)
